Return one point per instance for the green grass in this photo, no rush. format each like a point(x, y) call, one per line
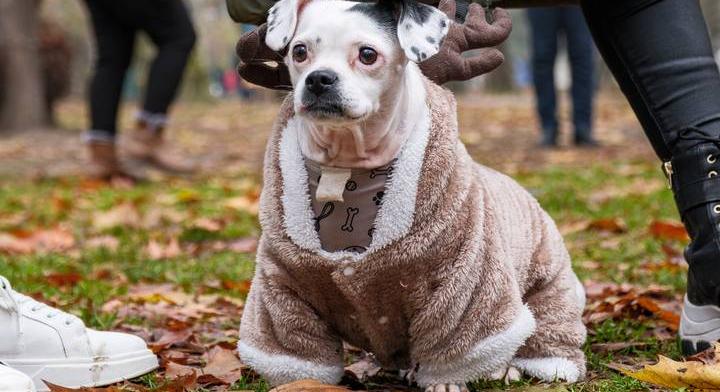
point(570, 195)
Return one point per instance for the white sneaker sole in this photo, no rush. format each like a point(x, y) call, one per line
point(699, 327)
point(86, 372)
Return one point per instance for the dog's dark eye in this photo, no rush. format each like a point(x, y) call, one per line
point(299, 53)
point(368, 56)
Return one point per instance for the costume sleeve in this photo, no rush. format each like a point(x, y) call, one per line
point(472, 327)
point(249, 11)
point(281, 336)
point(557, 299)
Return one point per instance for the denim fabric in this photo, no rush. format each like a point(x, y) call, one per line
point(547, 26)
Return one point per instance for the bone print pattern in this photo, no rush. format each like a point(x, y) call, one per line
point(351, 214)
point(340, 230)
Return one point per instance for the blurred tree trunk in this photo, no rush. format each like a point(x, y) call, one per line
point(22, 95)
point(502, 79)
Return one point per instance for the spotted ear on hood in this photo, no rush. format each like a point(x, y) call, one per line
point(421, 29)
point(282, 21)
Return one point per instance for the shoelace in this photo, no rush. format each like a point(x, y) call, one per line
point(17, 301)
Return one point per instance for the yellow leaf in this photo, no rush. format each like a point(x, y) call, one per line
point(694, 375)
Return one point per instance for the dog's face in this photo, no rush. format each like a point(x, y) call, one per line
point(345, 57)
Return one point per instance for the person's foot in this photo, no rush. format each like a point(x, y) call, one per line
point(586, 142)
point(699, 327)
point(149, 146)
point(548, 139)
point(48, 344)
point(12, 380)
point(104, 164)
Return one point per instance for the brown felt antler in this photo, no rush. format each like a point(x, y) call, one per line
point(262, 66)
point(475, 34)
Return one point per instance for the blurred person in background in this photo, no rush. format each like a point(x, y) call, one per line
point(547, 24)
point(116, 24)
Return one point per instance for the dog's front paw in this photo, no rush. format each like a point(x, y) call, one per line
point(508, 374)
point(447, 388)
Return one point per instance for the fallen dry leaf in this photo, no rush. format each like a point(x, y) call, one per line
point(308, 386)
point(123, 215)
point(106, 242)
point(669, 230)
point(611, 225)
point(157, 251)
point(48, 240)
point(244, 203)
point(224, 365)
point(64, 279)
point(667, 373)
point(363, 369)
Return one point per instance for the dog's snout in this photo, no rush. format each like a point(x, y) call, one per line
point(318, 82)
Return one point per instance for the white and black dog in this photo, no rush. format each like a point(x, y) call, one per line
point(351, 64)
point(462, 275)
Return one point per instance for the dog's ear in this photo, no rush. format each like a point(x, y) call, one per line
point(282, 21)
point(421, 29)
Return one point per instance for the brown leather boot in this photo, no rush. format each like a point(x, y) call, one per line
point(149, 146)
point(104, 164)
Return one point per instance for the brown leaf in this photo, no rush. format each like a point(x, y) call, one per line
point(124, 215)
point(672, 319)
point(308, 386)
point(611, 225)
point(363, 369)
point(65, 279)
point(175, 370)
point(170, 338)
point(158, 251)
point(669, 230)
point(224, 365)
point(24, 242)
point(106, 241)
point(246, 204)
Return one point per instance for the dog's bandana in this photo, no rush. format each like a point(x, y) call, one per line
point(347, 224)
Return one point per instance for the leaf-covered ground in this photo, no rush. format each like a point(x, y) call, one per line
point(171, 260)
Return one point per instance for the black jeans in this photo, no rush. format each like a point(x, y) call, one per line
point(547, 24)
point(116, 24)
point(660, 53)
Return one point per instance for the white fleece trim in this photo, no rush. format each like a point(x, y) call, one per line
point(395, 216)
point(548, 369)
point(283, 369)
point(489, 355)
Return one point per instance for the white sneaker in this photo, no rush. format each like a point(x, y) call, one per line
point(699, 327)
point(12, 380)
point(48, 344)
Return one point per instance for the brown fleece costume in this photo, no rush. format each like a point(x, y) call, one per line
point(466, 274)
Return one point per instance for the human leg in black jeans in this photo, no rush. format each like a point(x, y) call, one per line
point(116, 23)
point(660, 53)
point(544, 29)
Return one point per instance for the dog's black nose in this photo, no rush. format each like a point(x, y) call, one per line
point(319, 82)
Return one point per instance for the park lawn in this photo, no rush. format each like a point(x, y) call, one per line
point(87, 248)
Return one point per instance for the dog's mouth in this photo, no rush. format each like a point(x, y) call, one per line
point(326, 110)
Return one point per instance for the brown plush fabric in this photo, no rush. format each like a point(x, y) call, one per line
point(480, 279)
